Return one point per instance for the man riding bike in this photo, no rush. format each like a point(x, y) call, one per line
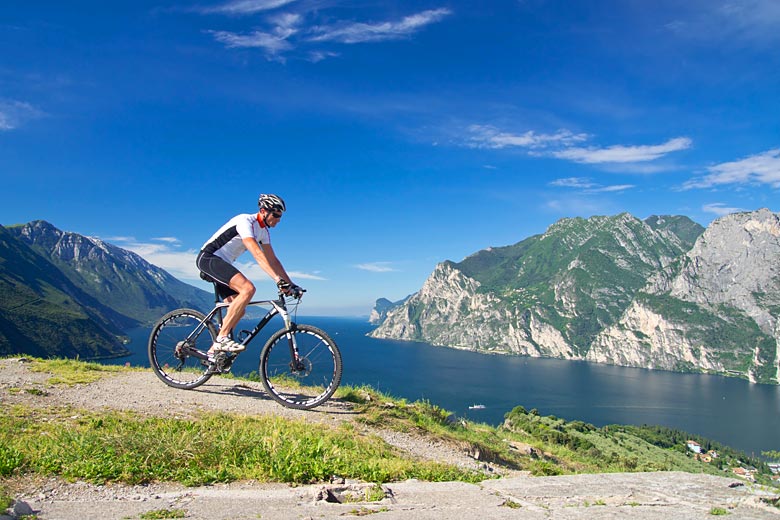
point(243, 232)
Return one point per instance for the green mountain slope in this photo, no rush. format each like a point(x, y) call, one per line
point(42, 311)
point(582, 273)
point(136, 290)
point(64, 294)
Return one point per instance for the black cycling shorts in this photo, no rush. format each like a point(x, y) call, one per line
point(217, 271)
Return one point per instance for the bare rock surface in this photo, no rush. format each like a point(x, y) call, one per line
point(669, 495)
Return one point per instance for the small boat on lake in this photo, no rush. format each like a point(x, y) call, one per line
point(476, 407)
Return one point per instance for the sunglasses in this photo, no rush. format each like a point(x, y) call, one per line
point(276, 215)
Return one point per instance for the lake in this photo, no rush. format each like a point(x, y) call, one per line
point(731, 411)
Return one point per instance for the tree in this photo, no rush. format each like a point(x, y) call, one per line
point(771, 455)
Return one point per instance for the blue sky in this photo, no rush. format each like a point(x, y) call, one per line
point(400, 133)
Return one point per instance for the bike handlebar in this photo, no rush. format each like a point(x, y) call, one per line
point(297, 296)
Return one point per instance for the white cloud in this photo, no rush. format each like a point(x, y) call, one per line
point(623, 154)
point(256, 274)
point(115, 239)
point(15, 113)
point(587, 186)
point(563, 145)
point(285, 26)
point(273, 43)
point(720, 209)
point(287, 31)
point(573, 182)
point(317, 56)
point(169, 240)
point(366, 32)
point(763, 168)
point(751, 21)
point(376, 267)
point(300, 275)
point(242, 7)
point(613, 188)
point(180, 264)
point(752, 15)
point(487, 136)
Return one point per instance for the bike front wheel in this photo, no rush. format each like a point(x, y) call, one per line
point(306, 380)
point(178, 346)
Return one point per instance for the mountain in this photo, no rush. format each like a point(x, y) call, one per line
point(43, 314)
point(136, 290)
point(381, 308)
point(67, 295)
point(615, 290)
point(716, 308)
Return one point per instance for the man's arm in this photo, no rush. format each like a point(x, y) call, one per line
point(267, 260)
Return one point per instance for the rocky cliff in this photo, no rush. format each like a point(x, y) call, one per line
point(714, 309)
point(659, 293)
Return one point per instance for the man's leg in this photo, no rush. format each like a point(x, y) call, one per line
point(237, 308)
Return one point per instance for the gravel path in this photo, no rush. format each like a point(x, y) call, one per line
point(636, 495)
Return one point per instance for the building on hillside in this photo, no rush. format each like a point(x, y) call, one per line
point(745, 473)
point(694, 446)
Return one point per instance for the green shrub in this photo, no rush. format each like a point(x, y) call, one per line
point(10, 459)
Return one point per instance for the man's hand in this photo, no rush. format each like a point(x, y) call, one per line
point(289, 289)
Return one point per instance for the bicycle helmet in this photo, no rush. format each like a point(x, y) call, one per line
point(270, 202)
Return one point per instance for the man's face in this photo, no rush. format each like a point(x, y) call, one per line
point(271, 218)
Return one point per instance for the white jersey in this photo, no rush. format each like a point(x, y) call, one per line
point(228, 242)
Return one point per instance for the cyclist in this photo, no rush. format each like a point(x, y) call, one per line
point(243, 232)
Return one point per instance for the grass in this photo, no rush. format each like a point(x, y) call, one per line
point(124, 447)
point(375, 493)
point(552, 446)
point(160, 514)
point(365, 511)
point(74, 372)
point(772, 501)
point(5, 501)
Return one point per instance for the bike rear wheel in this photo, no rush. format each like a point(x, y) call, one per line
point(308, 381)
point(177, 348)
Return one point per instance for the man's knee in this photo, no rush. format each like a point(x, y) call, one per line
point(247, 289)
point(242, 285)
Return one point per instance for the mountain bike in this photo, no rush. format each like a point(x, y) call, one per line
point(300, 365)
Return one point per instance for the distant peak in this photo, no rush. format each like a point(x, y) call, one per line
point(42, 224)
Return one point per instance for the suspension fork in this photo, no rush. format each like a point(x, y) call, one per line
point(289, 326)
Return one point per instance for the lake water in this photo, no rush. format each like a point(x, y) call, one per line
point(731, 411)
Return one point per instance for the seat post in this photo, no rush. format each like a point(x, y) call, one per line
point(217, 300)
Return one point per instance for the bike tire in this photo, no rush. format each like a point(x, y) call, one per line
point(318, 375)
point(172, 359)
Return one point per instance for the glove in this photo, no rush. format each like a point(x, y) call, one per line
point(289, 289)
point(283, 285)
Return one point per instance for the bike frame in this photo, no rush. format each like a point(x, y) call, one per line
point(278, 307)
